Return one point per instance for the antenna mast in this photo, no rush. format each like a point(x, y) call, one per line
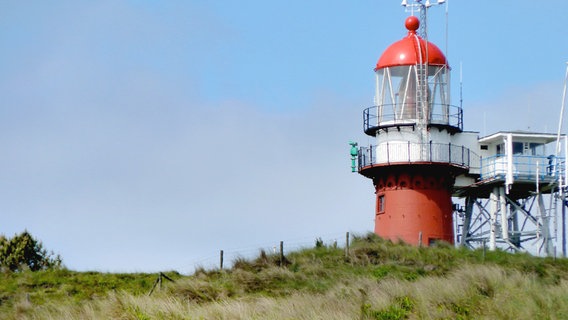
point(561, 112)
point(562, 182)
point(421, 8)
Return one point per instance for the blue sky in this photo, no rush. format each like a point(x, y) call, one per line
point(148, 135)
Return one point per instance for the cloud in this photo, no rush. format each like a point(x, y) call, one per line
point(146, 177)
point(147, 136)
point(534, 107)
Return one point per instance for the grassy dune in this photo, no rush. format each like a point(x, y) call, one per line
point(377, 280)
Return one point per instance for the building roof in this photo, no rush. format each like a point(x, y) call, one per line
point(411, 50)
point(498, 136)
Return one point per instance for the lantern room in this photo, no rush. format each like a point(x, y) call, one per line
point(412, 86)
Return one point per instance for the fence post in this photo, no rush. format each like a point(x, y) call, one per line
point(347, 245)
point(221, 260)
point(281, 253)
point(420, 239)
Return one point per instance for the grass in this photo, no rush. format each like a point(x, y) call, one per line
point(24, 291)
point(377, 280)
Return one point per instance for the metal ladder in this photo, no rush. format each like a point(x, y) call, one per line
point(421, 91)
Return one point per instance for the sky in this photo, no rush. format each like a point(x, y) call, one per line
point(145, 136)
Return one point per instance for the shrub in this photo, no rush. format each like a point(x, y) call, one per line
point(24, 252)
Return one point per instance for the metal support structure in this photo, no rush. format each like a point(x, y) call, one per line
point(422, 9)
point(563, 180)
point(469, 202)
point(563, 224)
point(508, 224)
point(547, 244)
point(515, 234)
point(504, 217)
point(494, 205)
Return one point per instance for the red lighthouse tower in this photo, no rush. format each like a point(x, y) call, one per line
point(420, 145)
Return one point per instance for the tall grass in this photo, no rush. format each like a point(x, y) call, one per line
point(378, 280)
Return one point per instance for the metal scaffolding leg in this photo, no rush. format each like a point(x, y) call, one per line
point(563, 203)
point(515, 232)
point(545, 228)
point(466, 229)
point(494, 201)
point(511, 224)
point(504, 216)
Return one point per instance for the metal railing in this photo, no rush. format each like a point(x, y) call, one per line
point(371, 118)
point(524, 167)
point(409, 152)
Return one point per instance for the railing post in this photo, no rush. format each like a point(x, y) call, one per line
point(408, 151)
point(482, 164)
point(463, 160)
point(388, 155)
point(450, 152)
point(430, 151)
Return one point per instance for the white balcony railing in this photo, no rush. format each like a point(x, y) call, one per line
point(408, 152)
point(523, 167)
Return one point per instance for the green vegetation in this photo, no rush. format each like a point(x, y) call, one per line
point(23, 252)
point(376, 280)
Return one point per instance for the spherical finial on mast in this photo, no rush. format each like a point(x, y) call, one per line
point(412, 24)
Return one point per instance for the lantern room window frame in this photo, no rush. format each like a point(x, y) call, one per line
point(413, 93)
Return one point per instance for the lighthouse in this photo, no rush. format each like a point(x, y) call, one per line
point(420, 149)
point(434, 182)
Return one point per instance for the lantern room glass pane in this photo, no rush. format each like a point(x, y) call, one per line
point(410, 93)
point(396, 93)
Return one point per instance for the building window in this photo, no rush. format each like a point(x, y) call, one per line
point(518, 147)
point(501, 149)
point(380, 203)
point(537, 149)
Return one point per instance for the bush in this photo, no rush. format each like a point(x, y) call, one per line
point(24, 252)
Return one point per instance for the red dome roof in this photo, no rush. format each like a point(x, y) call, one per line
point(411, 50)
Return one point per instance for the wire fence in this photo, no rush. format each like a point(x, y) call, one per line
point(224, 258)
